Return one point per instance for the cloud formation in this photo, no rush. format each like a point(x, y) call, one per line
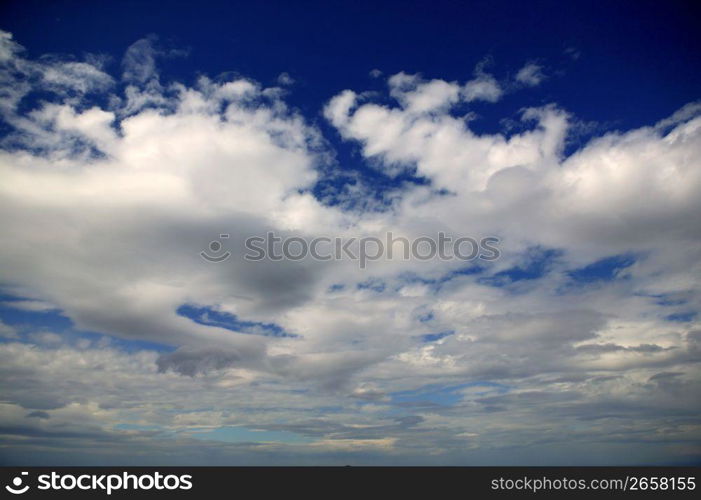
point(584, 334)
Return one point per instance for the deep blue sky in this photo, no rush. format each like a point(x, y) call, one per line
point(639, 60)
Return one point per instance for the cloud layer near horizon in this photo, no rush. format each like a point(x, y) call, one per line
point(583, 335)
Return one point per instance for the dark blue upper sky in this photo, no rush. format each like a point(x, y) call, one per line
point(638, 61)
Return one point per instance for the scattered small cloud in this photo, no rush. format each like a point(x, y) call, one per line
point(285, 79)
point(531, 75)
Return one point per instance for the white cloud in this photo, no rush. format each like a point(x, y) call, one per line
point(483, 87)
point(531, 75)
point(417, 96)
point(139, 63)
point(29, 305)
point(285, 79)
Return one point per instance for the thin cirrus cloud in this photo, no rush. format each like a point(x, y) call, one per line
point(112, 185)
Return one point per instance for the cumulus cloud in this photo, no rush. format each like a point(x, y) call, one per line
point(112, 188)
point(417, 96)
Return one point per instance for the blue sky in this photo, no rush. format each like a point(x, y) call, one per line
point(134, 134)
point(639, 60)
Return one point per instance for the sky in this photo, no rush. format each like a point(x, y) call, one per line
point(134, 134)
